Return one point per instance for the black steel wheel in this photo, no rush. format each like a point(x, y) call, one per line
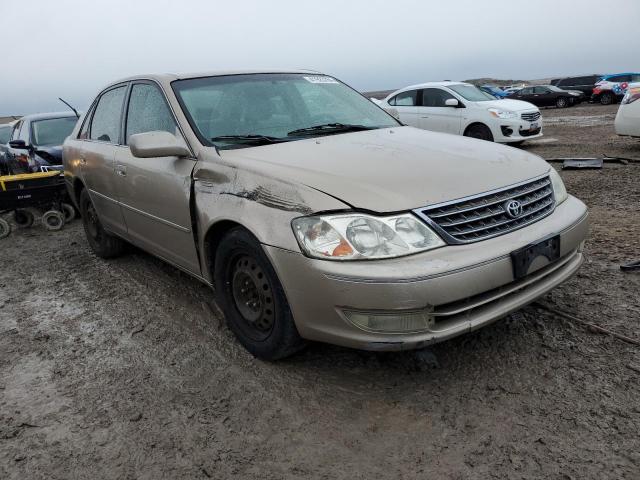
point(252, 299)
point(102, 243)
point(479, 131)
point(23, 218)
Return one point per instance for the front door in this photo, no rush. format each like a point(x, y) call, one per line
point(154, 193)
point(435, 115)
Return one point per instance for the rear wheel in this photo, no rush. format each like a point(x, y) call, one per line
point(23, 218)
point(562, 102)
point(252, 299)
point(5, 228)
point(606, 98)
point(479, 131)
point(103, 244)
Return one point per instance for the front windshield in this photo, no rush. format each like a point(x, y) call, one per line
point(52, 131)
point(5, 133)
point(276, 107)
point(471, 93)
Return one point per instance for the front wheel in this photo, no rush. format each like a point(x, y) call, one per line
point(479, 131)
point(562, 102)
point(103, 244)
point(252, 299)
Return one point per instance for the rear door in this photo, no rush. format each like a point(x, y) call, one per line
point(155, 193)
point(94, 151)
point(544, 96)
point(406, 105)
point(434, 115)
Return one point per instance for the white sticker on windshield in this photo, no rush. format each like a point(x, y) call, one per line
point(320, 79)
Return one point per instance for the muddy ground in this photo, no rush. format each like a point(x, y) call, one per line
point(119, 369)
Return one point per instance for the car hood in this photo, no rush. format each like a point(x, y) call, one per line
point(392, 169)
point(507, 104)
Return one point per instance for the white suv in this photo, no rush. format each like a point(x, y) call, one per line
point(464, 109)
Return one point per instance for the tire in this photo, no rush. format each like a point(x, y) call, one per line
point(69, 212)
point(103, 244)
point(516, 144)
point(23, 218)
point(562, 102)
point(53, 220)
point(252, 299)
point(5, 228)
point(606, 98)
point(479, 131)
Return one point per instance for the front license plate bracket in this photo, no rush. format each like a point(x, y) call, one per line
point(523, 258)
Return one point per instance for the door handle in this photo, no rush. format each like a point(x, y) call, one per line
point(121, 170)
point(424, 116)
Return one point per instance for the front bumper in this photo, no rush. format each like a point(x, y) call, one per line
point(465, 286)
point(516, 130)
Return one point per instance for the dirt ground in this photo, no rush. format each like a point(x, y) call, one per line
point(120, 369)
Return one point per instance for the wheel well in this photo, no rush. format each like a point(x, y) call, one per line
point(466, 130)
point(212, 240)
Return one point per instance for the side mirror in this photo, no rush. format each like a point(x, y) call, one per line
point(18, 144)
point(157, 144)
point(452, 102)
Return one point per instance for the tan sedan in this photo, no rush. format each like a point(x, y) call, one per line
point(314, 214)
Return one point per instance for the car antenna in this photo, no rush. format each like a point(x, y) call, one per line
point(68, 105)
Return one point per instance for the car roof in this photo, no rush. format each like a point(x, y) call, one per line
point(170, 77)
point(616, 74)
point(47, 116)
point(446, 83)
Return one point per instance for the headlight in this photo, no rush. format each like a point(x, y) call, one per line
point(559, 190)
point(631, 96)
point(356, 236)
point(502, 113)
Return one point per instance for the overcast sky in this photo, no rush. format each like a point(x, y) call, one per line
point(71, 48)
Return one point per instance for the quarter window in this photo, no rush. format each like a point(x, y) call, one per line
point(405, 99)
point(434, 97)
point(105, 125)
point(148, 111)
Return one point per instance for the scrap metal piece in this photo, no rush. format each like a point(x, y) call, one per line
point(582, 163)
point(630, 267)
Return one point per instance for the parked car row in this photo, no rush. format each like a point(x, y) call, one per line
point(316, 215)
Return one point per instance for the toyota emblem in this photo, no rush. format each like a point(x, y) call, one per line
point(513, 208)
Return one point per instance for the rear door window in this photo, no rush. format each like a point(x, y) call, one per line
point(405, 99)
point(106, 121)
point(540, 90)
point(148, 111)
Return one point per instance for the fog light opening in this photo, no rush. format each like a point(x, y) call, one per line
point(506, 131)
point(392, 322)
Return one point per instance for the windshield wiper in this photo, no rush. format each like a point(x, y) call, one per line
point(330, 128)
point(249, 138)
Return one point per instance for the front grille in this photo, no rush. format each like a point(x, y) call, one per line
point(485, 216)
point(530, 117)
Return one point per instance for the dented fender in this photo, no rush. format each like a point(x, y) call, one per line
point(262, 204)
